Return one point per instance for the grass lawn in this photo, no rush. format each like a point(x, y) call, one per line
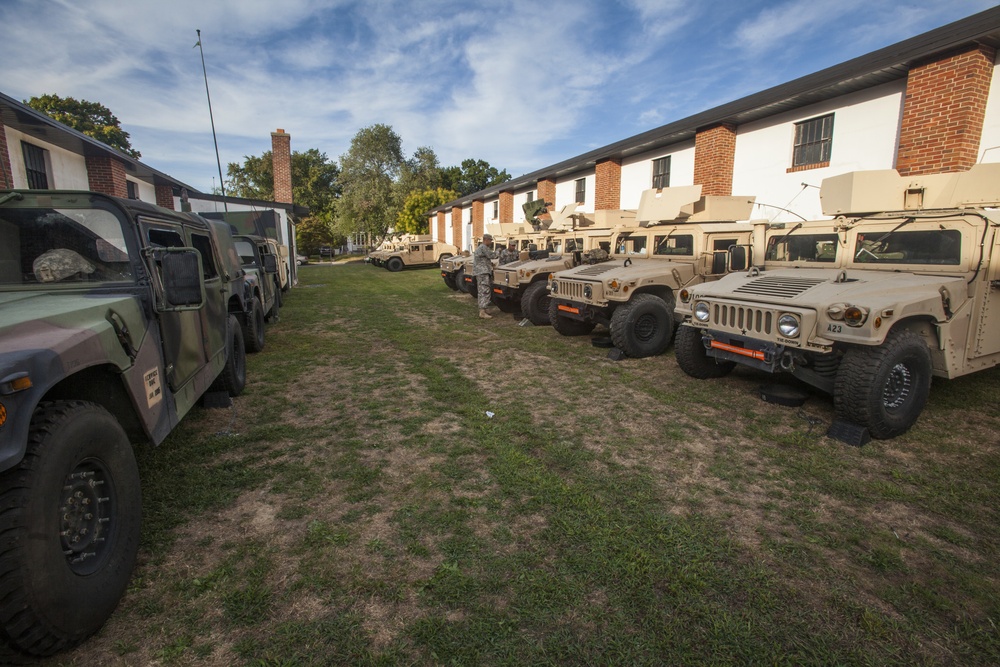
point(358, 506)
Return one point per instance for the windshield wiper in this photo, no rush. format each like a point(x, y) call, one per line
point(876, 242)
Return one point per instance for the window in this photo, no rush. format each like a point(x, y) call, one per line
point(661, 173)
point(936, 246)
point(679, 244)
point(496, 210)
point(203, 245)
point(631, 245)
point(133, 189)
point(36, 166)
point(581, 191)
point(813, 140)
point(802, 248)
point(530, 196)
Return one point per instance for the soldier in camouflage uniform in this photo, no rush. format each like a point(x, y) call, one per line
point(482, 267)
point(510, 253)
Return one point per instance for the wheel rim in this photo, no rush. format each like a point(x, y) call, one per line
point(898, 386)
point(645, 327)
point(86, 511)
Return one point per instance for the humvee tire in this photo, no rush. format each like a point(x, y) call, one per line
point(394, 264)
point(566, 326)
point(692, 358)
point(535, 303)
point(279, 299)
point(253, 331)
point(450, 282)
point(884, 388)
point(233, 378)
point(460, 280)
point(505, 305)
point(69, 528)
point(644, 326)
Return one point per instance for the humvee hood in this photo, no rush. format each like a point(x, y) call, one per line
point(814, 287)
point(61, 322)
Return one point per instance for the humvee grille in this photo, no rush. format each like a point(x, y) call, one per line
point(784, 287)
point(743, 318)
point(571, 290)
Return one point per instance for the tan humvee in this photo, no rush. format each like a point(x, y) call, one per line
point(522, 285)
point(457, 271)
point(417, 251)
point(682, 239)
point(913, 293)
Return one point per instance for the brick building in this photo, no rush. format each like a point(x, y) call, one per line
point(923, 105)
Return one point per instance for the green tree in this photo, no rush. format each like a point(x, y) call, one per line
point(91, 118)
point(368, 172)
point(315, 181)
point(413, 216)
point(472, 176)
point(313, 232)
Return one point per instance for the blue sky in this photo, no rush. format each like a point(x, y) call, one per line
point(518, 83)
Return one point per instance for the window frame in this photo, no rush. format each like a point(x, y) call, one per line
point(37, 166)
point(581, 191)
point(807, 140)
point(660, 173)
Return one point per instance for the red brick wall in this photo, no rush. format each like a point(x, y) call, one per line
point(477, 220)
point(608, 185)
point(6, 175)
point(440, 226)
point(107, 175)
point(943, 112)
point(546, 190)
point(165, 196)
point(506, 207)
point(281, 163)
point(456, 226)
point(714, 153)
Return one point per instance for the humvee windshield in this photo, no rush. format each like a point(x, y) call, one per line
point(678, 244)
point(631, 245)
point(802, 248)
point(933, 246)
point(63, 246)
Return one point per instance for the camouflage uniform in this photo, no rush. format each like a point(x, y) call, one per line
point(482, 267)
point(508, 255)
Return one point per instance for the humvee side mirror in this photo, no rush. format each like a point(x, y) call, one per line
point(270, 263)
point(719, 260)
point(739, 258)
point(183, 287)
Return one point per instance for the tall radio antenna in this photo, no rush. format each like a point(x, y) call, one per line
point(222, 183)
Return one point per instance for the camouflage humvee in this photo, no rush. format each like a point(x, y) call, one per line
point(260, 266)
point(913, 293)
point(682, 239)
point(114, 321)
point(417, 251)
point(522, 285)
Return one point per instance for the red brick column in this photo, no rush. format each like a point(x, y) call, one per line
point(943, 112)
point(477, 220)
point(714, 154)
point(281, 163)
point(107, 175)
point(440, 226)
point(608, 185)
point(165, 196)
point(456, 226)
point(546, 190)
point(506, 207)
point(6, 175)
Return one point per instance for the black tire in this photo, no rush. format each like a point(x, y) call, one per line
point(253, 330)
point(233, 378)
point(505, 305)
point(535, 303)
point(279, 298)
point(444, 256)
point(693, 358)
point(644, 326)
point(272, 315)
point(67, 545)
point(884, 388)
point(394, 264)
point(566, 326)
point(460, 280)
point(450, 282)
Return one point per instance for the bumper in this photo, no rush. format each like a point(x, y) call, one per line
point(582, 312)
point(758, 354)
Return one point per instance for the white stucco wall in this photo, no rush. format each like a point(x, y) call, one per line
point(865, 136)
point(448, 232)
point(566, 191)
point(989, 145)
point(68, 170)
point(637, 171)
point(147, 191)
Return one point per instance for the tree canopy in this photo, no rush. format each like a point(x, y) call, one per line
point(472, 176)
point(369, 170)
point(413, 215)
point(91, 118)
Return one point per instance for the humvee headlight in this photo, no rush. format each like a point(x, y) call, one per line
point(701, 311)
point(855, 316)
point(685, 295)
point(554, 287)
point(614, 284)
point(788, 325)
point(588, 291)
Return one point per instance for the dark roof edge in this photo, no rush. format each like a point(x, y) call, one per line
point(295, 209)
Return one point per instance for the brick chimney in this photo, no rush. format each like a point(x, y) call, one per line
point(281, 158)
